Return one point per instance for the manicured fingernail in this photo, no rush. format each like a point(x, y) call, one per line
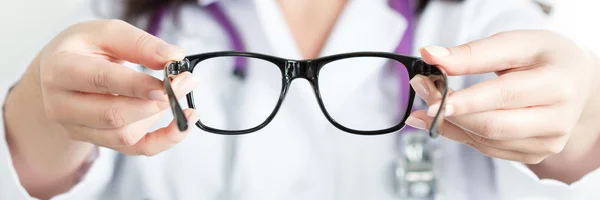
point(437, 51)
point(433, 110)
point(170, 52)
point(157, 95)
point(416, 122)
point(449, 110)
point(420, 87)
point(187, 84)
point(192, 117)
point(177, 80)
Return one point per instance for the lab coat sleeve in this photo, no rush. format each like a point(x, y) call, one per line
point(514, 180)
point(98, 175)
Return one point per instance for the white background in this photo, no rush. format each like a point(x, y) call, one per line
point(27, 25)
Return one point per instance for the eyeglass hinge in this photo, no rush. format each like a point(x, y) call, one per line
point(178, 67)
point(423, 68)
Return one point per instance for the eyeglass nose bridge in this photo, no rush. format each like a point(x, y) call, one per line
point(299, 69)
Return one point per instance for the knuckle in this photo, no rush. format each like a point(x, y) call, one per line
point(145, 151)
point(466, 48)
point(507, 96)
point(142, 42)
point(55, 67)
point(124, 138)
point(113, 117)
point(49, 75)
point(490, 129)
point(99, 80)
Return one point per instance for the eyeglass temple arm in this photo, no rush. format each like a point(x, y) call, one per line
point(172, 69)
point(439, 78)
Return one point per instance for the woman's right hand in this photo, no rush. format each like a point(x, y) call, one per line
point(95, 99)
point(76, 94)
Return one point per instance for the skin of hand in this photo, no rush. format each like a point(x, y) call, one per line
point(542, 109)
point(76, 95)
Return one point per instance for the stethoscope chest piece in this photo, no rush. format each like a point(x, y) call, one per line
point(417, 168)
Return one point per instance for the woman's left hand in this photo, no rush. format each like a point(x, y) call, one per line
point(544, 101)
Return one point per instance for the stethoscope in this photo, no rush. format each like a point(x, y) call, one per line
point(415, 174)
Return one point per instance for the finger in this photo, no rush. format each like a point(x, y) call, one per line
point(125, 41)
point(95, 75)
point(549, 145)
point(108, 111)
point(117, 137)
point(162, 139)
point(503, 51)
point(509, 91)
point(114, 138)
point(426, 90)
point(457, 134)
point(513, 124)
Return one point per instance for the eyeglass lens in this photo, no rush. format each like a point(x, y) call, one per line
point(241, 103)
point(381, 85)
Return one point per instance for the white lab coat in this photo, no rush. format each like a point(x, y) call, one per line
point(300, 155)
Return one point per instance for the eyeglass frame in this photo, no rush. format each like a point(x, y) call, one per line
point(307, 69)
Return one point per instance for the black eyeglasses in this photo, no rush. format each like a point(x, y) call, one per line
point(334, 79)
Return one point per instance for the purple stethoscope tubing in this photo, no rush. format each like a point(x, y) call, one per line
point(404, 7)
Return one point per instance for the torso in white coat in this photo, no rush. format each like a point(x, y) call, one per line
point(300, 155)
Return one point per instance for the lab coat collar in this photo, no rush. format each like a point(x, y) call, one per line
point(366, 25)
point(363, 25)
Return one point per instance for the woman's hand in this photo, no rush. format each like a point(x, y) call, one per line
point(77, 94)
point(544, 101)
point(96, 99)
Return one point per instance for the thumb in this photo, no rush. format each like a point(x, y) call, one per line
point(126, 42)
point(499, 52)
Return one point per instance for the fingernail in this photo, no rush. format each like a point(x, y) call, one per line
point(416, 123)
point(192, 117)
point(187, 84)
point(449, 110)
point(180, 78)
point(437, 51)
point(420, 87)
point(170, 51)
point(157, 95)
point(433, 110)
